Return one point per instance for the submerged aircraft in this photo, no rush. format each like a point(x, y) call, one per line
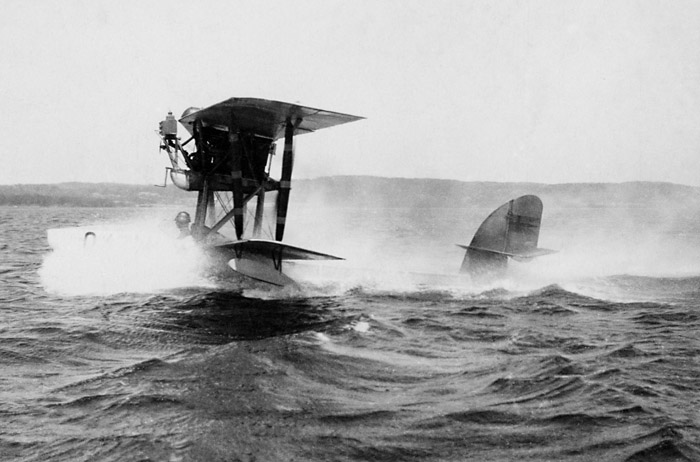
point(234, 142)
point(510, 231)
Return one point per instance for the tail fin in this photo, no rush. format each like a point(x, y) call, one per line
point(512, 230)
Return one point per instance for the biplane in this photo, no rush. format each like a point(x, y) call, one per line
point(229, 166)
point(510, 231)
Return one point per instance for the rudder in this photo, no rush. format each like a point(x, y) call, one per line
point(512, 230)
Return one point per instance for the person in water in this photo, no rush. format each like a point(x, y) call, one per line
point(182, 221)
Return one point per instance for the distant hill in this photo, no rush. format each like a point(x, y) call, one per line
point(366, 191)
point(91, 195)
point(419, 192)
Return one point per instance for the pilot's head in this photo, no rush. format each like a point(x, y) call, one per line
point(182, 220)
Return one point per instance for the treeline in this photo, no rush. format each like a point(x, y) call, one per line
point(59, 201)
point(428, 193)
point(90, 195)
point(367, 191)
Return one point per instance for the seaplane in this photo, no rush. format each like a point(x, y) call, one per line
point(241, 211)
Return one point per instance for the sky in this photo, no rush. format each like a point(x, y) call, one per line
point(545, 91)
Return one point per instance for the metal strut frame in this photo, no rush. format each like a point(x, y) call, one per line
point(237, 150)
point(232, 213)
point(231, 164)
point(234, 140)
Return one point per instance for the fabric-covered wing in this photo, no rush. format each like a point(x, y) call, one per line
point(263, 117)
point(276, 250)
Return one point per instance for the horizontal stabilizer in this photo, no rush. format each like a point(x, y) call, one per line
point(525, 254)
point(538, 252)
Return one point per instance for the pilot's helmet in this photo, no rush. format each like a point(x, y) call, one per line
point(182, 218)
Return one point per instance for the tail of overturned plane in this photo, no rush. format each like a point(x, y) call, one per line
point(512, 230)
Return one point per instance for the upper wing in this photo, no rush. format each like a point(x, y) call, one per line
point(263, 117)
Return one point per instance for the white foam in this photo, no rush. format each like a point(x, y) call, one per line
point(361, 326)
point(120, 258)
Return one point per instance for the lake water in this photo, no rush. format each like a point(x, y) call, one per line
point(588, 354)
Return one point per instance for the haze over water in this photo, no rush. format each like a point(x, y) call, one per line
point(587, 354)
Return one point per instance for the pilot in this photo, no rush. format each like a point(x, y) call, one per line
point(182, 221)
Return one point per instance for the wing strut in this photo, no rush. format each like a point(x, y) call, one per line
point(237, 177)
point(257, 225)
point(286, 177)
point(203, 196)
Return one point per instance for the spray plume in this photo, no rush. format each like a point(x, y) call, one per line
point(109, 259)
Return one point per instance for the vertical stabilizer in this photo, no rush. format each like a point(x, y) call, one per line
point(512, 230)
